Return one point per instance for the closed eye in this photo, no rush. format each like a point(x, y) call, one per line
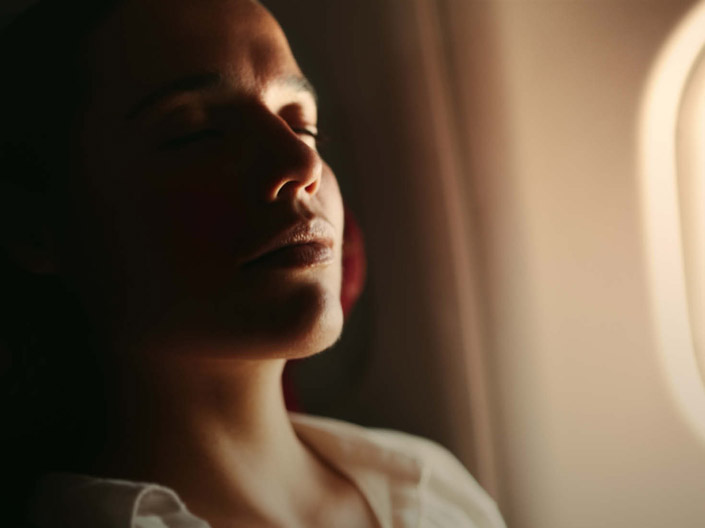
point(306, 132)
point(188, 139)
point(312, 132)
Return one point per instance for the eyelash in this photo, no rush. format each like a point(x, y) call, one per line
point(317, 136)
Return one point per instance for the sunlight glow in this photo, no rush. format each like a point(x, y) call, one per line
point(672, 183)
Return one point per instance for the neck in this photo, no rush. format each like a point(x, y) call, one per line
point(216, 431)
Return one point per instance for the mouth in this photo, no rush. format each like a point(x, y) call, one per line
point(304, 245)
point(305, 255)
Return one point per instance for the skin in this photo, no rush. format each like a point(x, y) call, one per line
point(162, 219)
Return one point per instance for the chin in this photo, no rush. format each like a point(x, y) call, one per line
point(309, 323)
point(323, 334)
point(290, 323)
point(282, 320)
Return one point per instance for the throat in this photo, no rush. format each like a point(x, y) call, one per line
point(219, 435)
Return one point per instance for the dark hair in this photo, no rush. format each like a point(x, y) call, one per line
point(50, 400)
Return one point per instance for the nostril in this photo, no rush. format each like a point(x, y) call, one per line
point(312, 188)
point(294, 186)
point(301, 175)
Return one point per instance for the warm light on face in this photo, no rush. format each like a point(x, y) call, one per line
point(672, 170)
point(201, 194)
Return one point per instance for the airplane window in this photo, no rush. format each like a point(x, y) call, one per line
point(673, 194)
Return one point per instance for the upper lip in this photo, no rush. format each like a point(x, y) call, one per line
point(316, 231)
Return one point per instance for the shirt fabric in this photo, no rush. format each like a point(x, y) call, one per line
point(408, 482)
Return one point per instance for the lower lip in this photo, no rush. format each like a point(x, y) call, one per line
point(298, 256)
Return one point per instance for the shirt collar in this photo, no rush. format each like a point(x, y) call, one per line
point(64, 500)
point(379, 471)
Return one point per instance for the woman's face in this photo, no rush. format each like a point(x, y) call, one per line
point(203, 218)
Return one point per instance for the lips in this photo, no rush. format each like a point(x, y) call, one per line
point(303, 245)
point(296, 256)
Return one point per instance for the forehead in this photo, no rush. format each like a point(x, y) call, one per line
point(146, 43)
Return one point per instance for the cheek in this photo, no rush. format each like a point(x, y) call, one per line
point(181, 214)
point(194, 219)
point(332, 200)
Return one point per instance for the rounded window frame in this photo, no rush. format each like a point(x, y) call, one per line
point(673, 229)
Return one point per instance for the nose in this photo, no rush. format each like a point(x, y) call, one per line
point(292, 169)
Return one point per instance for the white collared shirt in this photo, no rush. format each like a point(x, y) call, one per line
point(407, 481)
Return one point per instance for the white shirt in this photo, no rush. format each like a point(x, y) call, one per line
point(407, 481)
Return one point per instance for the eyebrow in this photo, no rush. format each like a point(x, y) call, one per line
point(205, 81)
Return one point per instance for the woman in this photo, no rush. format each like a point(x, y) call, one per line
point(175, 191)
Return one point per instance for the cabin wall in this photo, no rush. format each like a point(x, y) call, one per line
point(588, 432)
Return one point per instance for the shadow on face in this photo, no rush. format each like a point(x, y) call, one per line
point(202, 219)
